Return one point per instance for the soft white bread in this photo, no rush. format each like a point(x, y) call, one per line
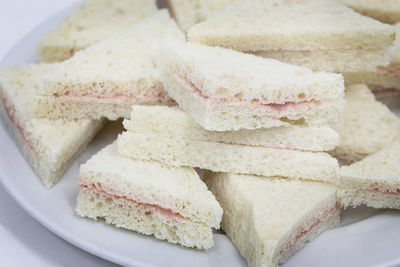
point(92, 22)
point(271, 219)
point(170, 203)
point(381, 78)
point(190, 12)
point(95, 108)
point(365, 126)
point(173, 122)
point(227, 90)
point(259, 25)
point(106, 79)
point(332, 60)
point(374, 181)
point(221, 157)
point(387, 11)
point(49, 146)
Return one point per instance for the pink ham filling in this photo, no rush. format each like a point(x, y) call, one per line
point(99, 188)
point(115, 98)
point(381, 92)
point(392, 70)
point(14, 121)
point(329, 213)
point(271, 147)
point(385, 192)
point(278, 110)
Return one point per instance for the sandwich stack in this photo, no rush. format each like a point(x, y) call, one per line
point(264, 131)
point(244, 120)
point(320, 34)
point(230, 111)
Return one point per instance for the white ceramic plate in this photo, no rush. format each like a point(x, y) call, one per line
point(366, 237)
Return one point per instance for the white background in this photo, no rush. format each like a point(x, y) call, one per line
point(23, 241)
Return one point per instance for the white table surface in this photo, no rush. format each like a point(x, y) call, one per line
point(23, 241)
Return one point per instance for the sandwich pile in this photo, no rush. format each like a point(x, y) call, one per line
point(275, 103)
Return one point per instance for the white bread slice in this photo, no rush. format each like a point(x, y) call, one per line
point(49, 146)
point(106, 79)
point(373, 181)
point(170, 203)
point(92, 22)
point(293, 31)
point(387, 11)
point(334, 60)
point(187, 13)
point(365, 126)
point(271, 219)
point(221, 157)
point(227, 90)
point(260, 25)
point(173, 122)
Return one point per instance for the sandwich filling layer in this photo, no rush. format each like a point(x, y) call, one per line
point(168, 214)
point(394, 192)
point(392, 70)
point(284, 147)
point(381, 92)
point(313, 224)
point(115, 98)
point(273, 109)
